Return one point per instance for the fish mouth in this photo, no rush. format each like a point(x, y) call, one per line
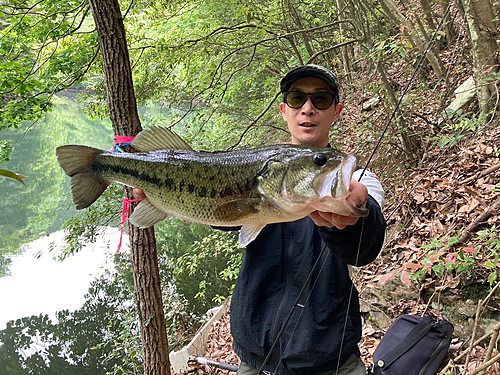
point(335, 184)
point(335, 189)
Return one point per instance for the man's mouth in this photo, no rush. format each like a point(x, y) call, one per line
point(307, 125)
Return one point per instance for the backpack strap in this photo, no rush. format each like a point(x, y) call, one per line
point(419, 331)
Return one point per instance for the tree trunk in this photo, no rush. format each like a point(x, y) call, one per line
point(426, 6)
point(298, 21)
point(448, 25)
point(123, 113)
point(416, 39)
point(346, 61)
point(479, 17)
point(408, 145)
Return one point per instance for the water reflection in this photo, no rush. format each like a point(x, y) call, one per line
point(44, 204)
point(38, 284)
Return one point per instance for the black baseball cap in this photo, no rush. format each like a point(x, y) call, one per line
point(311, 70)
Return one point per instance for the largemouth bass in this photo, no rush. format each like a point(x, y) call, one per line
point(247, 188)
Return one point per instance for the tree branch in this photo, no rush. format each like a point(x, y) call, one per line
point(471, 228)
point(489, 170)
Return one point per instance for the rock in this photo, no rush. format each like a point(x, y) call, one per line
point(371, 103)
point(375, 299)
point(464, 94)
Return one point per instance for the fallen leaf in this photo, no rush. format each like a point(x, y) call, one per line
point(405, 278)
point(413, 266)
point(470, 250)
point(387, 277)
point(435, 257)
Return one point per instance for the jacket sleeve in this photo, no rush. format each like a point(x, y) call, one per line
point(361, 243)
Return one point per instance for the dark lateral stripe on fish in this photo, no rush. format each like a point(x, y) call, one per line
point(171, 184)
point(119, 169)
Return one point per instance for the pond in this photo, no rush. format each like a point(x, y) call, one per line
point(31, 215)
point(40, 284)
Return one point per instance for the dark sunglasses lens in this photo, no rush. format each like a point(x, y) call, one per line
point(322, 100)
point(295, 99)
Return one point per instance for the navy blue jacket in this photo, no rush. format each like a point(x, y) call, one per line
point(274, 269)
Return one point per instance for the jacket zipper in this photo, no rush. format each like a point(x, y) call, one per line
point(279, 312)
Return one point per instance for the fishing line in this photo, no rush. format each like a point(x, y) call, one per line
point(299, 297)
point(417, 68)
point(302, 305)
point(450, 145)
point(295, 305)
point(350, 299)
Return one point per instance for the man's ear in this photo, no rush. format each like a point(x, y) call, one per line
point(282, 109)
point(338, 108)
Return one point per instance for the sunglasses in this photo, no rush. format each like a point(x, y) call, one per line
point(320, 100)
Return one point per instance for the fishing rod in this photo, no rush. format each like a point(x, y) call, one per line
point(209, 362)
point(299, 297)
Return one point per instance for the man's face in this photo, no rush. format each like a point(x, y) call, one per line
point(308, 125)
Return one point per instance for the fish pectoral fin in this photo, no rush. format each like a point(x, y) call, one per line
point(248, 233)
point(157, 138)
point(237, 209)
point(146, 215)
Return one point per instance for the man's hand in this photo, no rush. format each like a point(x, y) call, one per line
point(358, 197)
point(138, 193)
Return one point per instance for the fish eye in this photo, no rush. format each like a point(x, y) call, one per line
point(319, 159)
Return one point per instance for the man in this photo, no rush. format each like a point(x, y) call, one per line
point(322, 336)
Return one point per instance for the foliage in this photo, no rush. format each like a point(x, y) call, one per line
point(214, 262)
point(122, 344)
point(200, 262)
point(389, 49)
point(5, 150)
point(439, 260)
point(43, 52)
point(459, 125)
point(442, 258)
point(90, 223)
point(491, 249)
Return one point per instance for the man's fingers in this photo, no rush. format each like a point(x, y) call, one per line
point(318, 219)
point(359, 194)
point(330, 220)
point(138, 193)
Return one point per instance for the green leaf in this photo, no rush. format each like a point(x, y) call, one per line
point(492, 277)
point(438, 269)
point(12, 175)
point(402, 52)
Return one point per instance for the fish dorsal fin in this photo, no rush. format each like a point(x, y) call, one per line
point(157, 138)
point(248, 233)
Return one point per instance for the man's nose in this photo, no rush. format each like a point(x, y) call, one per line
point(308, 107)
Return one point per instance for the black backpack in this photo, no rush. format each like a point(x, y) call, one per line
point(412, 346)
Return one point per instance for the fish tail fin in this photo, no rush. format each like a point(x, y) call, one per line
point(86, 184)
